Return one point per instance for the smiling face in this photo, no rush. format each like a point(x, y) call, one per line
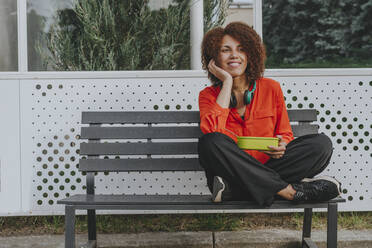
point(231, 57)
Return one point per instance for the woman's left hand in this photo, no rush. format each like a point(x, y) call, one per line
point(277, 152)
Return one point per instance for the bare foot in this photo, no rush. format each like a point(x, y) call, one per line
point(287, 193)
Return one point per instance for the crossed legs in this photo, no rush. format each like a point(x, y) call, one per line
point(248, 178)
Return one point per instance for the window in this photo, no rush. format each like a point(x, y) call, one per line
point(240, 10)
point(86, 35)
point(42, 15)
point(107, 35)
point(306, 34)
point(9, 36)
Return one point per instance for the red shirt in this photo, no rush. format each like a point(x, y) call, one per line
point(266, 116)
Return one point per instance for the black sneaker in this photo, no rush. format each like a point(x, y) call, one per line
point(321, 188)
point(221, 190)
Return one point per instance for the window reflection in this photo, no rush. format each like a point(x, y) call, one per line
point(240, 10)
point(314, 34)
point(9, 36)
point(86, 35)
point(41, 16)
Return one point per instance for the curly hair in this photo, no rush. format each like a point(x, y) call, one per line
point(250, 42)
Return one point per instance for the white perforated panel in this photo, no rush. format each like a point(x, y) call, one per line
point(51, 115)
point(345, 113)
point(55, 108)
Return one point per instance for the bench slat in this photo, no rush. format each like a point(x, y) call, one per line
point(299, 130)
point(163, 148)
point(172, 116)
point(165, 132)
point(140, 132)
point(141, 117)
point(305, 115)
point(159, 200)
point(148, 164)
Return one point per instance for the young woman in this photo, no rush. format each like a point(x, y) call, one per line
point(241, 102)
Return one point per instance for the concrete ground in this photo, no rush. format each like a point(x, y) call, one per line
point(278, 238)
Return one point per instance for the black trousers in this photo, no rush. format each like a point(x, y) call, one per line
point(249, 179)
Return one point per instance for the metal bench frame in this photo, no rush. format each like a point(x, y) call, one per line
point(94, 132)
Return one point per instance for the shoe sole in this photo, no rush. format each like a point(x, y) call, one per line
point(327, 178)
point(217, 193)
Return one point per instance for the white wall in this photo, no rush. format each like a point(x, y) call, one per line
point(10, 172)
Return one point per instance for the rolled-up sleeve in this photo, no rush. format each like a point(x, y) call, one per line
point(212, 116)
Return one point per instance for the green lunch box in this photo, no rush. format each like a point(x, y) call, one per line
point(257, 143)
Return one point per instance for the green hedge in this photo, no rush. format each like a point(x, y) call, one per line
point(124, 35)
point(333, 33)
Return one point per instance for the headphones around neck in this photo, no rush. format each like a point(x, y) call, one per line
point(248, 95)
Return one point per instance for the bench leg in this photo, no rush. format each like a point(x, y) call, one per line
point(92, 230)
point(69, 226)
point(306, 228)
point(332, 226)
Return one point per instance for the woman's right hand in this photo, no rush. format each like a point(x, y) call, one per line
point(223, 98)
point(221, 74)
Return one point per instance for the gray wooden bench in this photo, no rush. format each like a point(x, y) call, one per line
point(93, 163)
